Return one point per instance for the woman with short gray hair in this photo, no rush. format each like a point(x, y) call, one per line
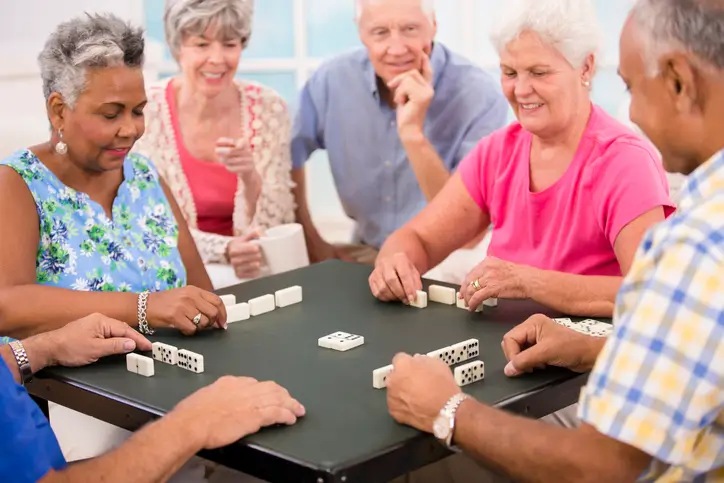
point(221, 144)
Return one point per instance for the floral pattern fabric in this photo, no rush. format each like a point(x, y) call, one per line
point(82, 249)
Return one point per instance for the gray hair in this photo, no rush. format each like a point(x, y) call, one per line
point(695, 26)
point(428, 6)
point(93, 41)
point(570, 26)
point(192, 17)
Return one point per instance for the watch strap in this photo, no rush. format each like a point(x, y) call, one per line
point(449, 410)
point(21, 357)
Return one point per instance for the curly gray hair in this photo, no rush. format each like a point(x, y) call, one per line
point(696, 26)
point(93, 41)
point(192, 17)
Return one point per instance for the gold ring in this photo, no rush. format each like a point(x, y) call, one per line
point(476, 284)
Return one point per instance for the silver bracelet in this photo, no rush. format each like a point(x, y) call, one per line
point(143, 326)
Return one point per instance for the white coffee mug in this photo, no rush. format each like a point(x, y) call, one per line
point(284, 248)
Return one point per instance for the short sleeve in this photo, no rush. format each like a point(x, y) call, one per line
point(628, 181)
point(28, 447)
point(306, 135)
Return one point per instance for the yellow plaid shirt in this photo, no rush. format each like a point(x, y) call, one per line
point(658, 384)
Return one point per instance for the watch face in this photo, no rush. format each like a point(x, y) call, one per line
point(441, 427)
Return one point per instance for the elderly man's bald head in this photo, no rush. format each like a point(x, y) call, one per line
point(428, 6)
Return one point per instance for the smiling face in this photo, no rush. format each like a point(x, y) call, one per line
point(106, 120)
point(209, 61)
point(544, 90)
point(396, 33)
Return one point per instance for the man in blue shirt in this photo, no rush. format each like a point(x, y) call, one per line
point(29, 451)
point(396, 118)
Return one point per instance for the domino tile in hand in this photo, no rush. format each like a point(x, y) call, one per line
point(191, 361)
point(379, 376)
point(237, 312)
point(490, 302)
point(469, 373)
point(440, 294)
point(261, 305)
point(462, 305)
point(420, 300)
point(288, 296)
point(228, 299)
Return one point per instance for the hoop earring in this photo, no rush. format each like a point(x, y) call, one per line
point(61, 148)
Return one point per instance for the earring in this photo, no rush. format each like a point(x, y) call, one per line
point(586, 83)
point(61, 148)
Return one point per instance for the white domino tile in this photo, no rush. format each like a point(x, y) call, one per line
point(469, 373)
point(237, 312)
point(466, 349)
point(228, 299)
point(490, 302)
point(261, 305)
point(132, 362)
point(165, 353)
point(145, 366)
point(442, 295)
point(420, 300)
point(379, 376)
point(460, 303)
point(445, 354)
point(340, 341)
point(288, 296)
point(190, 361)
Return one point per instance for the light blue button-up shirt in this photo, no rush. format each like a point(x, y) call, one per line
point(341, 111)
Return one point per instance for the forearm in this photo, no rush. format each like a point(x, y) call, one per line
point(211, 246)
point(583, 295)
point(252, 191)
point(301, 212)
point(31, 309)
point(39, 351)
point(521, 448)
point(408, 242)
point(427, 165)
point(146, 457)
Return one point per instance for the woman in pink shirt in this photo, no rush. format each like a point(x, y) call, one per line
point(568, 190)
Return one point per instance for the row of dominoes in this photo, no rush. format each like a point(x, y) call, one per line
point(448, 296)
point(260, 305)
point(183, 358)
point(451, 355)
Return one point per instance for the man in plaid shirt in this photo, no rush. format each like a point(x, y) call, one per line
point(653, 408)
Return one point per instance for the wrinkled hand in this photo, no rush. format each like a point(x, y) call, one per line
point(177, 308)
point(413, 93)
point(497, 279)
point(417, 389)
point(234, 407)
point(86, 340)
point(395, 278)
point(540, 342)
point(245, 256)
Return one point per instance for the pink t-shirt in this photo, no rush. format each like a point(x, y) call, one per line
point(571, 226)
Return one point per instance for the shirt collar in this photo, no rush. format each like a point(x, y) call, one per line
point(703, 182)
point(437, 62)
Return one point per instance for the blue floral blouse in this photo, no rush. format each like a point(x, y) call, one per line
point(82, 249)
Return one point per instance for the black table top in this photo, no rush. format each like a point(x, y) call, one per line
point(347, 422)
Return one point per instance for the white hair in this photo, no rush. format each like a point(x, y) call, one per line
point(192, 17)
point(695, 26)
point(570, 26)
point(428, 6)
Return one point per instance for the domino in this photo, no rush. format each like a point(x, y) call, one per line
point(261, 305)
point(490, 302)
point(440, 294)
point(341, 341)
point(288, 296)
point(228, 299)
point(470, 373)
point(461, 303)
point(379, 376)
point(420, 301)
point(132, 362)
point(191, 361)
point(165, 353)
point(445, 354)
point(145, 366)
point(466, 349)
point(237, 312)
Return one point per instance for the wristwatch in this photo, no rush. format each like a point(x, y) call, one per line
point(21, 357)
point(444, 425)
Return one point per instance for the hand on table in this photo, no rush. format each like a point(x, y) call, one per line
point(395, 278)
point(497, 279)
point(540, 342)
point(234, 407)
point(178, 307)
point(417, 389)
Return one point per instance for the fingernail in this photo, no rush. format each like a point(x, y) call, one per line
point(129, 345)
point(510, 370)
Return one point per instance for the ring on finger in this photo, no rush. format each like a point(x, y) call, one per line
point(197, 319)
point(476, 284)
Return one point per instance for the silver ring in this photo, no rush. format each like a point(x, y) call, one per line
point(197, 320)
